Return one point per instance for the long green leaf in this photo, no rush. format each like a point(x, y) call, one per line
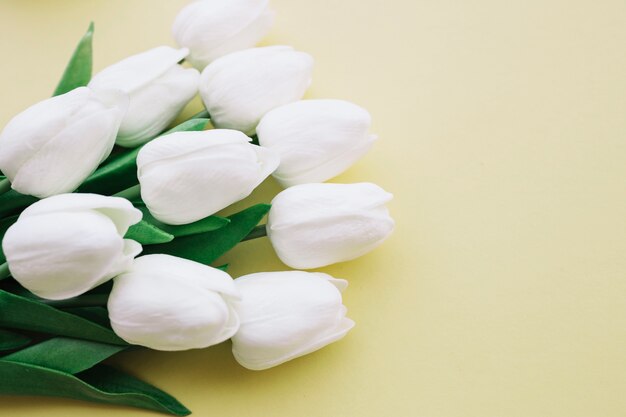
point(100, 384)
point(11, 340)
point(207, 224)
point(65, 354)
point(207, 247)
point(148, 234)
point(21, 313)
point(78, 70)
point(120, 172)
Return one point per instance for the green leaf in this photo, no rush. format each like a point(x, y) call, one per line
point(97, 315)
point(13, 202)
point(100, 384)
point(207, 224)
point(78, 70)
point(22, 313)
point(148, 234)
point(4, 226)
point(120, 172)
point(207, 247)
point(65, 354)
point(11, 340)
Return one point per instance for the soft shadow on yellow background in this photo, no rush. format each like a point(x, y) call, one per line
point(502, 131)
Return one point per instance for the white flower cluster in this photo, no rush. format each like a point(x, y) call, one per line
point(68, 243)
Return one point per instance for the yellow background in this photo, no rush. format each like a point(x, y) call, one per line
point(502, 131)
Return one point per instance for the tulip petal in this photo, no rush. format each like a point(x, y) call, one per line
point(145, 304)
point(119, 210)
point(154, 106)
point(62, 262)
point(33, 127)
point(285, 315)
point(238, 89)
point(134, 72)
point(212, 28)
point(314, 225)
point(316, 139)
point(187, 176)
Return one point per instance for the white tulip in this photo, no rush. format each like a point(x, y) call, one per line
point(285, 315)
point(187, 176)
point(65, 245)
point(212, 28)
point(170, 303)
point(158, 87)
point(314, 225)
point(239, 88)
point(53, 146)
point(316, 139)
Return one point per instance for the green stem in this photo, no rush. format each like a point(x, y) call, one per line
point(132, 194)
point(88, 300)
point(204, 114)
point(4, 271)
point(5, 185)
point(256, 233)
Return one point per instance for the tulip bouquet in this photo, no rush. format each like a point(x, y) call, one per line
point(108, 220)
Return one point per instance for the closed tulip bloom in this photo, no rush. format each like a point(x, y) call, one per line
point(170, 303)
point(54, 145)
point(65, 245)
point(212, 28)
point(158, 87)
point(314, 225)
point(239, 88)
point(316, 139)
point(285, 315)
point(187, 176)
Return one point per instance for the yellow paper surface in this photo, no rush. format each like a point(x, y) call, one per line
point(502, 131)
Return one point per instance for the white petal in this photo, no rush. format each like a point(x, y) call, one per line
point(136, 71)
point(63, 254)
point(32, 128)
point(315, 225)
point(187, 176)
point(68, 158)
point(316, 139)
point(169, 303)
point(156, 105)
point(239, 88)
point(55, 154)
point(212, 28)
point(119, 210)
point(285, 315)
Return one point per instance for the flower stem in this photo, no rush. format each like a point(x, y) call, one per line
point(87, 300)
point(4, 271)
point(5, 185)
point(132, 194)
point(204, 114)
point(256, 233)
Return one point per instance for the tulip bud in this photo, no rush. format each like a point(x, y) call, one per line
point(158, 88)
point(65, 245)
point(285, 315)
point(239, 88)
point(170, 303)
point(187, 176)
point(314, 225)
point(212, 28)
point(316, 139)
point(53, 146)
